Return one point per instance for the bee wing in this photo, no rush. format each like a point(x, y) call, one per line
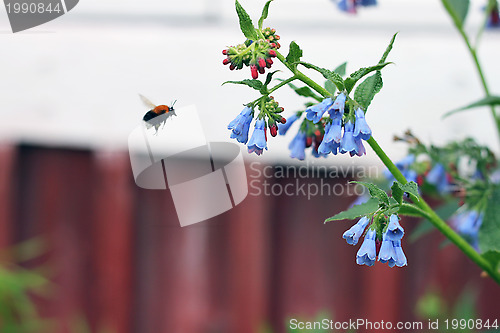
point(147, 102)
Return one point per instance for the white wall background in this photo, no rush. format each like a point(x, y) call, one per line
point(75, 80)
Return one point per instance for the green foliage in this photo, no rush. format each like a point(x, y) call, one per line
point(376, 192)
point(246, 24)
point(457, 9)
point(265, 12)
point(341, 69)
point(269, 77)
point(366, 90)
point(355, 211)
point(327, 74)
point(397, 192)
point(294, 54)
point(255, 84)
point(360, 73)
point(489, 100)
point(489, 233)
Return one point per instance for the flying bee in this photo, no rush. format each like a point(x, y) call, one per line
point(158, 114)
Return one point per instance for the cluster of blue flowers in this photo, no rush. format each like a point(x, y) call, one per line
point(438, 177)
point(390, 251)
point(240, 127)
point(350, 6)
point(330, 139)
point(467, 223)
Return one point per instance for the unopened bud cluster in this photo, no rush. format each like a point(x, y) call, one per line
point(254, 54)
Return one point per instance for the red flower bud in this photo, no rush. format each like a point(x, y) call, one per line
point(226, 61)
point(232, 66)
point(224, 52)
point(270, 61)
point(277, 37)
point(309, 141)
point(273, 130)
point(262, 62)
point(282, 109)
point(272, 53)
point(262, 70)
point(253, 70)
point(283, 120)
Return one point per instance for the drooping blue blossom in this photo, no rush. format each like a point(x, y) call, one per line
point(438, 177)
point(360, 149)
point(297, 146)
point(240, 125)
point(367, 253)
point(387, 254)
point(333, 131)
point(400, 256)
point(315, 112)
point(328, 147)
point(339, 104)
point(283, 128)
point(354, 233)
point(258, 142)
point(347, 143)
point(361, 128)
point(394, 230)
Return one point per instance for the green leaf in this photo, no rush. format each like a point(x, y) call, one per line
point(489, 233)
point(360, 73)
point(397, 192)
point(331, 87)
point(411, 210)
point(375, 192)
point(489, 100)
point(458, 10)
point(327, 74)
point(246, 24)
point(388, 49)
point(265, 12)
point(355, 211)
point(294, 53)
point(256, 84)
point(366, 90)
point(444, 211)
point(411, 188)
point(493, 257)
point(306, 92)
point(340, 70)
point(269, 76)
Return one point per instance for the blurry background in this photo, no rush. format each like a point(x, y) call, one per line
point(115, 255)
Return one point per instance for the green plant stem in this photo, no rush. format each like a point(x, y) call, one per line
point(281, 84)
point(473, 52)
point(441, 225)
point(302, 77)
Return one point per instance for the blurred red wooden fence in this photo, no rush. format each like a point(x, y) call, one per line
point(120, 257)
